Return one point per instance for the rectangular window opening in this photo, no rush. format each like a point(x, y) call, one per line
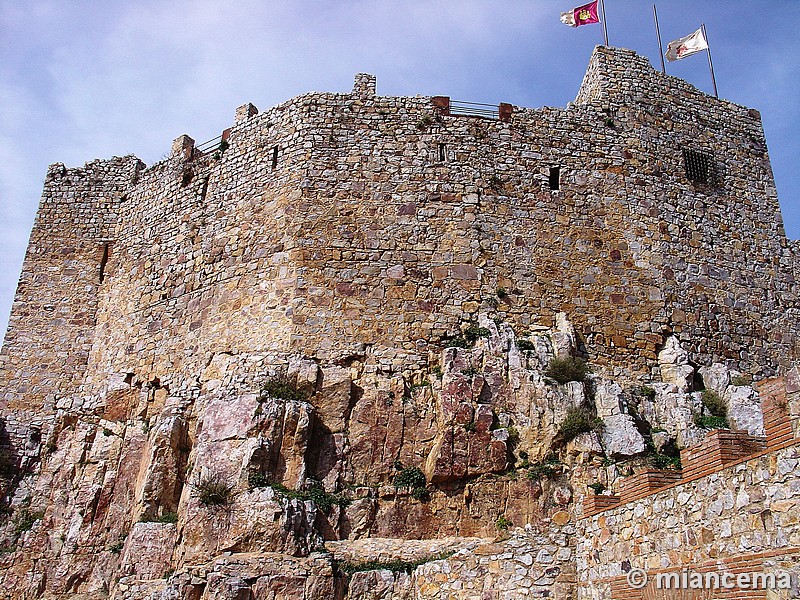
point(698, 166)
point(274, 157)
point(104, 261)
point(442, 152)
point(555, 178)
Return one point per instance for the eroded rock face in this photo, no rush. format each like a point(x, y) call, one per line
point(675, 367)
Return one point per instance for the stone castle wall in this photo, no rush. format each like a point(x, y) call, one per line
point(343, 239)
point(335, 221)
point(52, 324)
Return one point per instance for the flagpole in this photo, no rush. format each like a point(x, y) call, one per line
point(660, 47)
point(710, 64)
point(605, 29)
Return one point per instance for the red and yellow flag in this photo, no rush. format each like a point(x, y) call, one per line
point(583, 15)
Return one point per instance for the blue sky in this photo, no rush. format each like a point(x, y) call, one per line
point(95, 79)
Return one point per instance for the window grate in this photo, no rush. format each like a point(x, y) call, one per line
point(699, 166)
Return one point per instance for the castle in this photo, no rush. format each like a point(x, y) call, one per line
point(408, 267)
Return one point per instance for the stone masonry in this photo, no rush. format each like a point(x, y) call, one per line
point(348, 288)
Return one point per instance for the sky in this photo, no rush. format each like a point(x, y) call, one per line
point(90, 79)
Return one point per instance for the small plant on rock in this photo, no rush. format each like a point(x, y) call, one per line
point(543, 469)
point(213, 490)
point(473, 332)
point(714, 403)
point(24, 520)
point(740, 380)
point(503, 523)
point(597, 487)
point(564, 370)
point(257, 480)
point(410, 477)
point(578, 421)
point(281, 387)
point(526, 345)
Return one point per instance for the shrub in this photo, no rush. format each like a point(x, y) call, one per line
point(170, 517)
point(743, 379)
point(473, 332)
point(502, 293)
point(526, 345)
point(578, 421)
point(664, 461)
point(421, 493)
point(502, 523)
point(410, 477)
point(567, 369)
point(213, 490)
point(116, 548)
point(470, 427)
point(424, 122)
point(714, 404)
point(540, 469)
point(316, 494)
point(257, 480)
point(458, 342)
point(598, 487)
point(282, 388)
point(471, 371)
point(710, 421)
point(645, 391)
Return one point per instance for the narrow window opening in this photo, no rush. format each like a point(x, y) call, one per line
point(204, 189)
point(188, 175)
point(274, 157)
point(698, 166)
point(442, 152)
point(555, 178)
point(104, 261)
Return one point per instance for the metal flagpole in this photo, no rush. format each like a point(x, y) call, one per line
point(603, 12)
point(710, 64)
point(660, 47)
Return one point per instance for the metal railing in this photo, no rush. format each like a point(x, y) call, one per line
point(474, 109)
point(211, 145)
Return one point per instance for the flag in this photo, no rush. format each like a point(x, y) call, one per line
point(583, 15)
point(686, 46)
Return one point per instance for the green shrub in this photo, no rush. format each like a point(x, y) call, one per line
point(116, 547)
point(257, 480)
point(578, 421)
point(437, 370)
point(502, 523)
point(546, 469)
point(410, 477)
point(473, 332)
point(502, 293)
point(470, 427)
point(568, 369)
point(714, 404)
point(526, 345)
point(710, 421)
point(213, 490)
point(743, 379)
point(598, 487)
point(421, 493)
point(316, 494)
point(471, 371)
point(282, 388)
point(170, 517)
point(645, 391)
point(457, 342)
point(664, 461)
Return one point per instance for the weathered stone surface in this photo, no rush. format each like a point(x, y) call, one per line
point(675, 367)
point(744, 409)
point(620, 436)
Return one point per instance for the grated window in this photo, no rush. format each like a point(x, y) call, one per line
point(442, 152)
point(699, 166)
